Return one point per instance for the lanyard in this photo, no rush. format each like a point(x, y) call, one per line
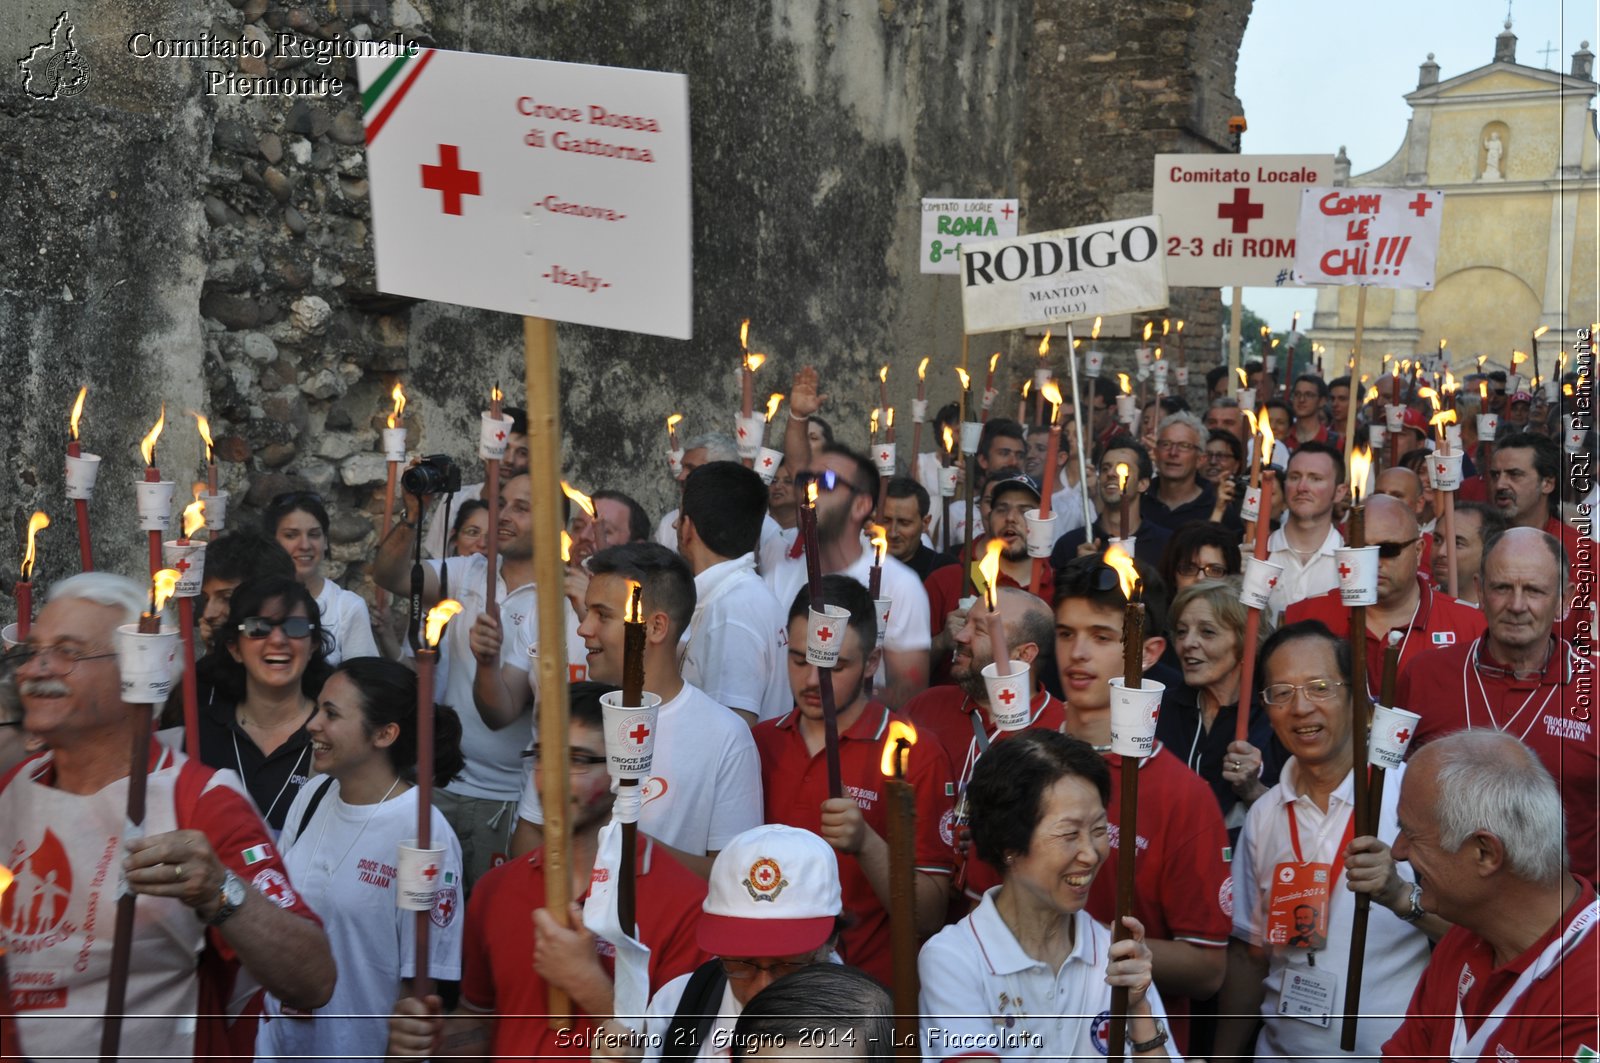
point(1337, 867)
point(1464, 1049)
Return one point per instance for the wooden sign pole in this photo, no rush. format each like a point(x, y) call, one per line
point(544, 460)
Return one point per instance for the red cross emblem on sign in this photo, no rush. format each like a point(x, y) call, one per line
point(639, 733)
point(430, 871)
point(1008, 696)
point(450, 179)
point(824, 634)
point(1403, 735)
point(1006, 212)
point(1421, 204)
point(182, 565)
point(1344, 570)
point(1240, 211)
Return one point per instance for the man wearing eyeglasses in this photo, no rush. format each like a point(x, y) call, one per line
point(1179, 495)
point(1521, 678)
point(1292, 852)
point(1307, 398)
point(509, 959)
point(1422, 616)
point(214, 894)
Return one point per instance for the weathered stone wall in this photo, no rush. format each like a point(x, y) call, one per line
point(215, 251)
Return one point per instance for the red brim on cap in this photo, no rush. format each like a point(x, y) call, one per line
point(726, 935)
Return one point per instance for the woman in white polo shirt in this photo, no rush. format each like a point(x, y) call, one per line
point(1029, 974)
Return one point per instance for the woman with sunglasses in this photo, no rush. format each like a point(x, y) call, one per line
point(271, 659)
point(299, 522)
point(340, 846)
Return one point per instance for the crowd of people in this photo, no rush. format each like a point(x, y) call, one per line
point(267, 924)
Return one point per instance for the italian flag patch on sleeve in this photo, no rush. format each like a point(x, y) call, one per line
point(256, 853)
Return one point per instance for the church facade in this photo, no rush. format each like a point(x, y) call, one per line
point(1514, 149)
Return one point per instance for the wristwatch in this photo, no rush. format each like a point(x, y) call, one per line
point(1416, 911)
point(1135, 1047)
point(231, 896)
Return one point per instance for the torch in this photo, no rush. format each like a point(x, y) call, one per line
point(1133, 722)
point(883, 457)
point(1022, 402)
point(919, 412)
point(1252, 623)
point(144, 655)
point(902, 814)
point(1039, 543)
point(1124, 503)
point(990, 567)
point(971, 434)
point(1127, 407)
point(81, 471)
point(989, 392)
point(746, 424)
point(422, 895)
point(154, 493)
point(767, 459)
point(1360, 467)
point(1540, 331)
point(585, 503)
point(674, 452)
point(24, 589)
point(947, 488)
point(493, 430)
point(204, 427)
point(1445, 475)
point(1041, 377)
point(187, 558)
point(830, 714)
point(633, 640)
point(1142, 361)
point(883, 386)
point(1513, 382)
point(394, 454)
point(747, 378)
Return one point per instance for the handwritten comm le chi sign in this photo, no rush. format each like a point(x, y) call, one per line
point(1114, 267)
point(554, 190)
point(1379, 237)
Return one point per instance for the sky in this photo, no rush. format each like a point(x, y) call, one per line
point(1315, 74)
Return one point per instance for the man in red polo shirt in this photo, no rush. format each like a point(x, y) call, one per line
point(514, 949)
point(1424, 617)
point(1480, 824)
point(1522, 486)
point(1520, 679)
point(1182, 889)
point(794, 765)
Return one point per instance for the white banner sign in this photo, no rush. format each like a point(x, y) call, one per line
point(1382, 237)
point(553, 190)
point(1230, 219)
point(947, 222)
point(1113, 267)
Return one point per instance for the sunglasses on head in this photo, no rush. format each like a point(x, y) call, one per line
point(259, 627)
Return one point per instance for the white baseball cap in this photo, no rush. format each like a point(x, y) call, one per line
point(774, 891)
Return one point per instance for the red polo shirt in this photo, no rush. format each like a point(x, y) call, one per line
point(795, 783)
point(1552, 712)
point(1553, 1019)
point(944, 587)
point(1440, 621)
point(497, 973)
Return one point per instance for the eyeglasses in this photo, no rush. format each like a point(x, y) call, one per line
point(576, 758)
point(1305, 395)
point(1189, 570)
point(744, 970)
point(1390, 551)
point(1173, 446)
point(1316, 690)
point(259, 627)
point(829, 481)
point(58, 660)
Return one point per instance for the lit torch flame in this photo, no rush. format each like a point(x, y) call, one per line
point(755, 361)
point(1127, 574)
point(880, 542)
point(194, 518)
point(883, 374)
point(1122, 476)
point(1444, 417)
point(1044, 345)
point(1540, 331)
point(897, 749)
point(1094, 333)
point(888, 418)
point(399, 397)
point(1052, 394)
point(744, 335)
point(1180, 324)
point(633, 612)
point(77, 411)
point(1481, 359)
point(1483, 391)
point(584, 502)
point(6, 877)
point(1027, 386)
point(36, 524)
point(163, 584)
point(966, 381)
point(205, 431)
point(1149, 327)
point(1250, 416)
point(1360, 466)
point(811, 490)
point(438, 617)
point(1244, 378)
point(672, 420)
point(1268, 440)
point(147, 445)
point(874, 419)
point(1429, 394)
point(772, 405)
point(990, 567)
point(1127, 388)
point(1517, 358)
point(495, 394)
point(1166, 325)
point(949, 440)
point(994, 360)
point(922, 369)
point(566, 547)
point(1372, 394)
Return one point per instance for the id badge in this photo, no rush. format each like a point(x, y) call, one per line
point(1297, 906)
point(1308, 994)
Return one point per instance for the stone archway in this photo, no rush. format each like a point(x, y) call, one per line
point(1480, 310)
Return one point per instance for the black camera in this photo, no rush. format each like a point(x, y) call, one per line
point(435, 474)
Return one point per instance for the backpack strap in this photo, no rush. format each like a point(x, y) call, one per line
point(311, 806)
point(697, 1010)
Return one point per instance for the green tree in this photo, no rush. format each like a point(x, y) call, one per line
point(1250, 338)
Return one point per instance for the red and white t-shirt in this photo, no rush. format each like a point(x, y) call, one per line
point(795, 783)
point(58, 918)
point(1460, 687)
point(1549, 996)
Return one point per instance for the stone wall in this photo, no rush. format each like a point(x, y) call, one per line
point(215, 251)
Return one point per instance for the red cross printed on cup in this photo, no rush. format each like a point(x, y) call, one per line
point(1008, 696)
point(742, 432)
point(883, 455)
point(766, 463)
point(1344, 570)
point(500, 434)
point(182, 565)
point(1402, 736)
point(1272, 581)
point(639, 733)
point(429, 872)
point(825, 634)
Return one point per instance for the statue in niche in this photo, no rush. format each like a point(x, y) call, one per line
point(1493, 149)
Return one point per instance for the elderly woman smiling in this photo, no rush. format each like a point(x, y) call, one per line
point(1029, 974)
